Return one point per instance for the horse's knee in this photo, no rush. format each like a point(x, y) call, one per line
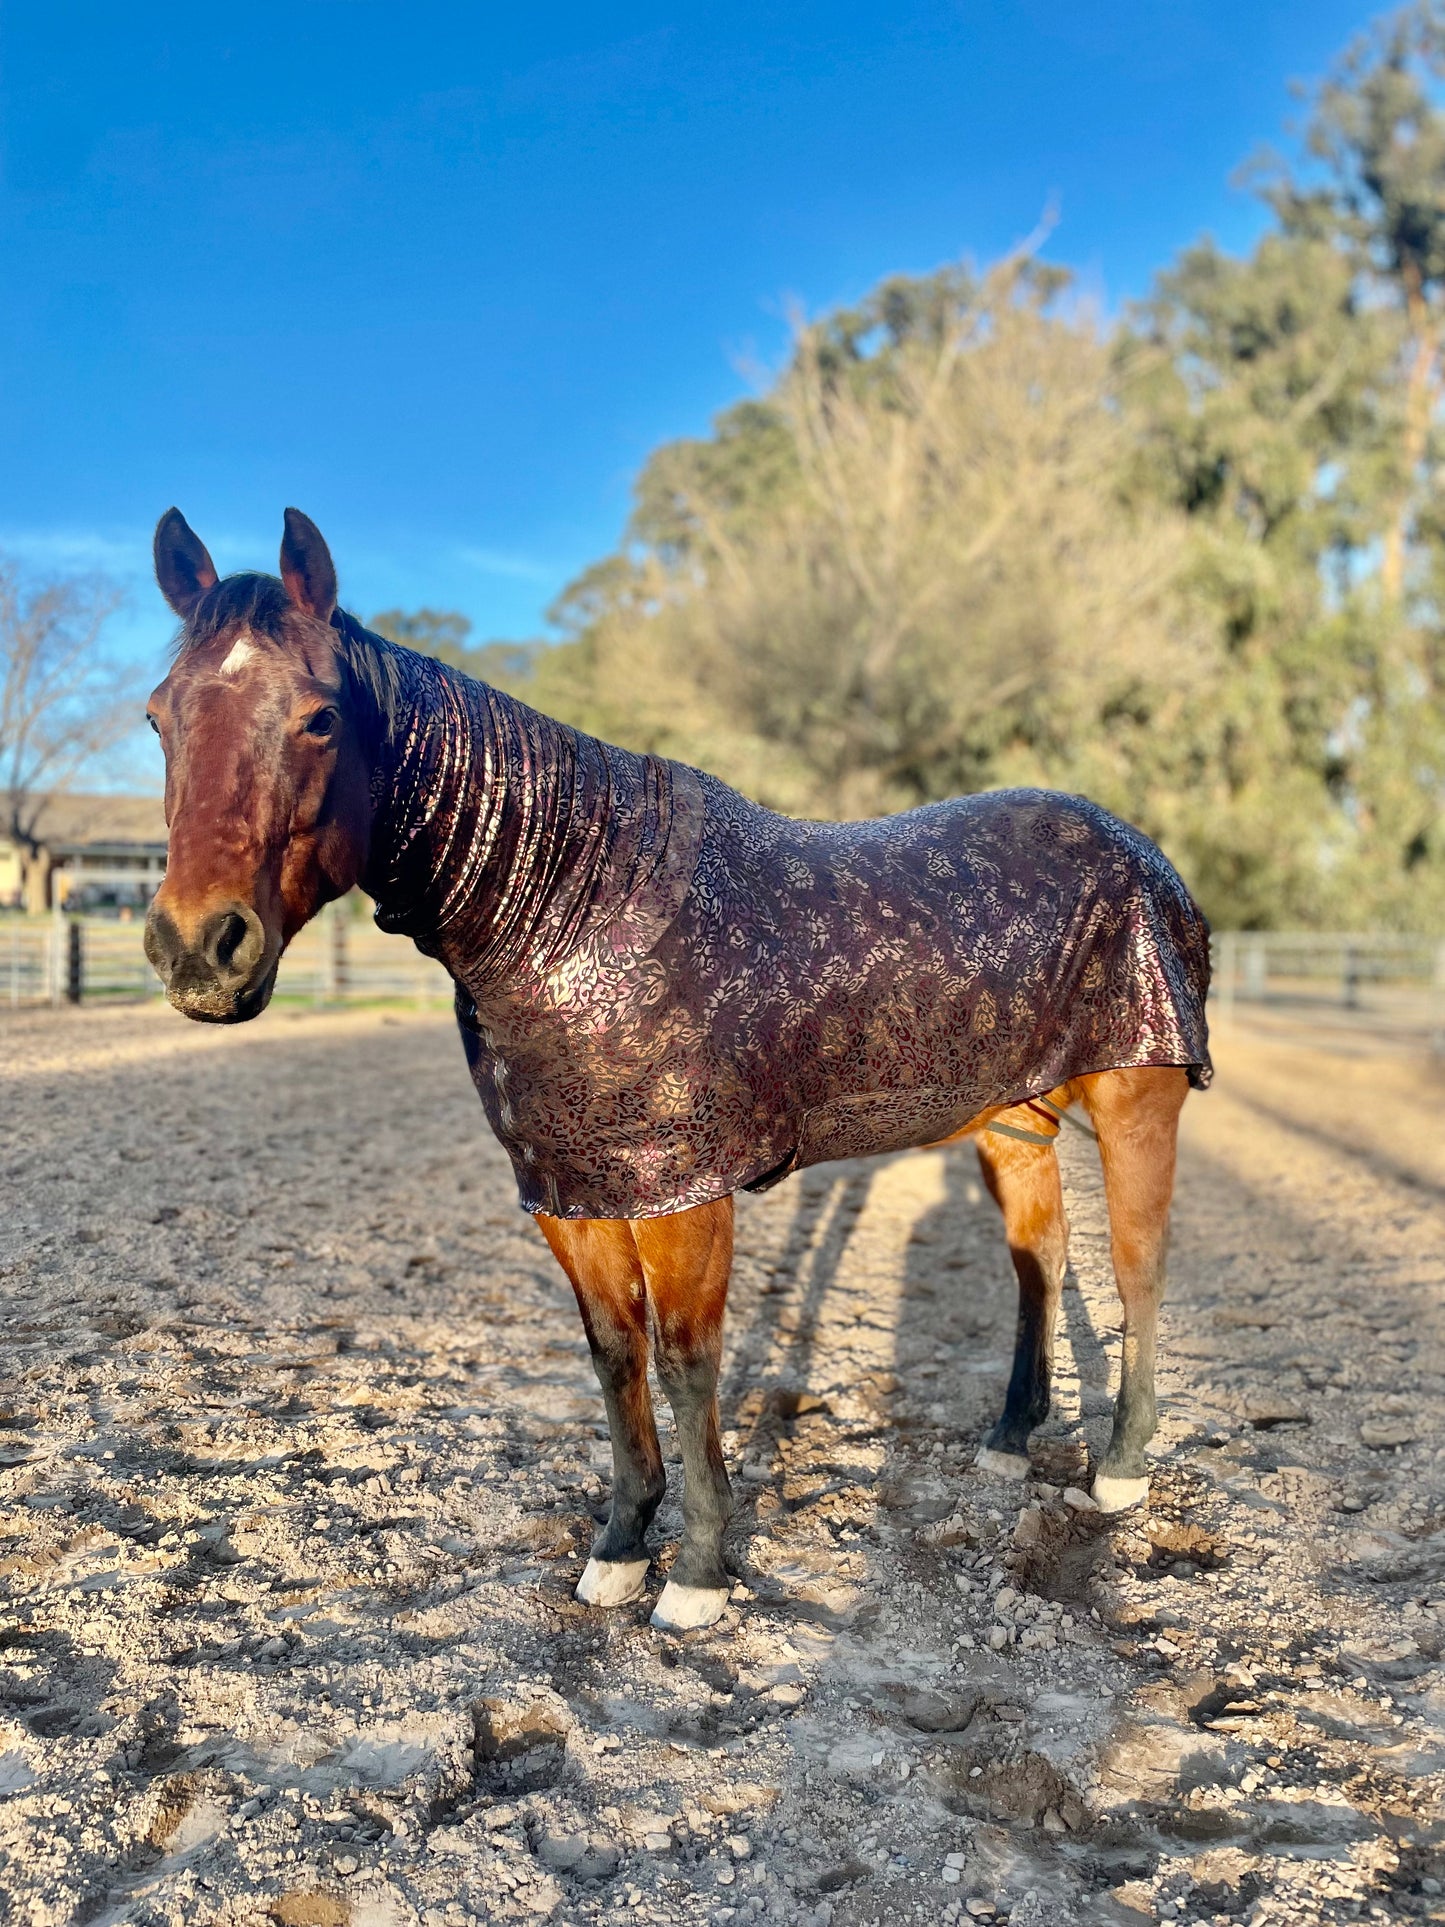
point(689, 1384)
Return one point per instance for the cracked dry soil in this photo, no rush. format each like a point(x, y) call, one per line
point(300, 1448)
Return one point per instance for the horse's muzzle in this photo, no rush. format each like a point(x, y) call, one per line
point(222, 974)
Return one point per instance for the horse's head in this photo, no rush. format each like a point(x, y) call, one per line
point(267, 766)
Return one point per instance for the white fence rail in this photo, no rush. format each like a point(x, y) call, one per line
point(1391, 986)
point(340, 958)
point(28, 954)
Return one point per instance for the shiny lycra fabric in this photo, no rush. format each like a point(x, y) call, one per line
point(667, 993)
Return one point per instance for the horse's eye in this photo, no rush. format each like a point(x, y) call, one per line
point(322, 723)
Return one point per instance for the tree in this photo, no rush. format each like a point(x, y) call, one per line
point(1295, 412)
point(1376, 195)
point(911, 569)
point(63, 700)
point(443, 633)
point(1193, 565)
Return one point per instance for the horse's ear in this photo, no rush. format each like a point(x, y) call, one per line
point(306, 566)
point(183, 568)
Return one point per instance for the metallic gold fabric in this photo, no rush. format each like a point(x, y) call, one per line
point(667, 993)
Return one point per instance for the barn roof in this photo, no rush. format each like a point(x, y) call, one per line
point(74, 820)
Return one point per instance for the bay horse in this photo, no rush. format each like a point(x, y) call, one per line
point(667, 994)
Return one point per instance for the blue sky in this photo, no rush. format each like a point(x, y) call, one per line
point(442, 275)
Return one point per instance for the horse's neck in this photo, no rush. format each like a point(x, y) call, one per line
point(476, 823)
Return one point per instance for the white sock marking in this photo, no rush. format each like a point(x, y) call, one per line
point(683, 1607)
point(1001, 1465)
point(612, 1582)
point(1117, 1495)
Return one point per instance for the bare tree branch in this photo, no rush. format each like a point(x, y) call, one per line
point(63, 699)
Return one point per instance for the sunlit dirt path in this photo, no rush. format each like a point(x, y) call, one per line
point(299, 1447)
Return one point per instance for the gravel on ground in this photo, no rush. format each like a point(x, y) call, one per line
point(300, 1454)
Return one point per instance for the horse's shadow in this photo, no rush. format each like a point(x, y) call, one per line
point(952, 1302)
point(959, 1300)
point(826, 1206)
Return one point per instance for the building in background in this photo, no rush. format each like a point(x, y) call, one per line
point(94, 853)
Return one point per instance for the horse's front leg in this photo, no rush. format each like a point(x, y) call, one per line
point(687, 1259)
point(1023, 1179)
point(600, 1258)
point(1136, 1114)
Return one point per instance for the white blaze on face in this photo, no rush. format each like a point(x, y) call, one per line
point(240, 654)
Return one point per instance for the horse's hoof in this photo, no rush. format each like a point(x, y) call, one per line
point(612, 1582)
point(682, 1609)
point(1002, 1465)
point(1117, 1495)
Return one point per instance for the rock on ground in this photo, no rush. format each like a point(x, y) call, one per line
point(300, 1452)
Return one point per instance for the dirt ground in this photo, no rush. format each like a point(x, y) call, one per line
point(301, 1448)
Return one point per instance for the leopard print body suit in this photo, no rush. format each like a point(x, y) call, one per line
point(667, 993)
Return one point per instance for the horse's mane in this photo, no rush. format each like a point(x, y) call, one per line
point(259, 603)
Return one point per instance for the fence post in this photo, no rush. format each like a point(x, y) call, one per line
point(74, 961)
point(339, 971)
point(54, 954)
point(1228, 967)
point(322, 992)
point(1351, 976)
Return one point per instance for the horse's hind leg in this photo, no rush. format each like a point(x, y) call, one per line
point(1023, 1179)
point(686, 1259)
point(1136, 1114)
point(600, 1258)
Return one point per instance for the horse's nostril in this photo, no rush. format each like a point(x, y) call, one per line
point(228, 939)
point(232, 942)
point(162, 943)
